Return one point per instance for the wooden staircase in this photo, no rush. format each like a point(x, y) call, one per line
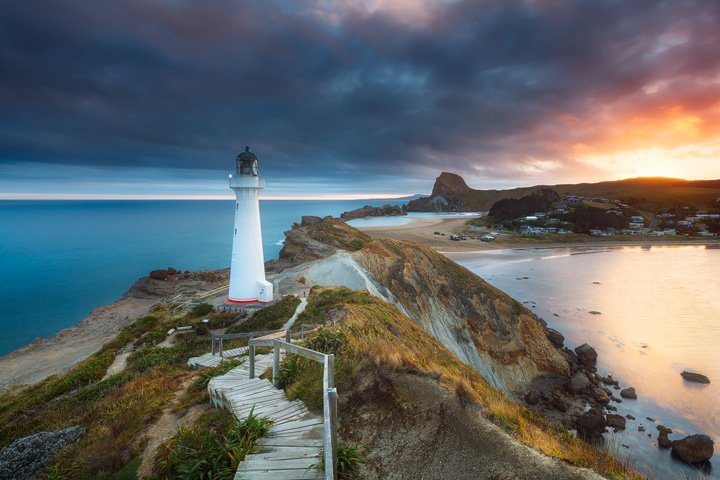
point(293, 446)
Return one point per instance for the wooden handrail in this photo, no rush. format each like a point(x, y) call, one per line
point(329, 397)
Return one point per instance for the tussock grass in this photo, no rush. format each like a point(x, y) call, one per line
point(203, 379)
point(212, 448)
point(373, 333)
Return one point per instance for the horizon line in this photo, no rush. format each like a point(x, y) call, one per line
point(121, 196)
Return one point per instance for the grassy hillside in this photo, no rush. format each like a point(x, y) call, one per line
point(372, 339)
point(644, 193)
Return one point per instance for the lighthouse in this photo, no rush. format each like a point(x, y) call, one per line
point(247, 269)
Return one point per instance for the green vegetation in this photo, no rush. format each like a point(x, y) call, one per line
point(203, 379)
point(585, 218)
point(510, 208)
point(349, 460)
point(212, 448)
point(375, 334)
point(200, 310)
point(271, 317)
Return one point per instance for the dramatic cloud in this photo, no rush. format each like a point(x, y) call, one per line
point(345, 94)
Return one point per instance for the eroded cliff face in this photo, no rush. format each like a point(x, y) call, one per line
point(481, 325)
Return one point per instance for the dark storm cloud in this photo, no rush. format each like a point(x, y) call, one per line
point(477, 86)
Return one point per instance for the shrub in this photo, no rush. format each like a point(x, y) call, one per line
point(349, 460)
point(200, 310)
point(212, 448)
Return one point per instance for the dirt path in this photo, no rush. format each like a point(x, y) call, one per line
point(166, 427)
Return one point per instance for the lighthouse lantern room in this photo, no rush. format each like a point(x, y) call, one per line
point(247, 269)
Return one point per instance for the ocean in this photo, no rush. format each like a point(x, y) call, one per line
point(656, 313)
point(61, 259)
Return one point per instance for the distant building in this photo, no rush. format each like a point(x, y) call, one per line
point(637, 219)
point(600, 200)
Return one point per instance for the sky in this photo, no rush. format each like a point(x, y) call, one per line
point(353, 98)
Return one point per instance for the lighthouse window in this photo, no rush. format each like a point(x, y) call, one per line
point(236, 231)
point(237, 205)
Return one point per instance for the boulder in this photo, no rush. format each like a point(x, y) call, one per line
point(630, 417)
point(587, 356)
point(600, 395)
point(616, 421)
point(591, 424)
point(663, 440)
point(609, 380)
point(628, 393)
point(695, 377)
point(163, 274)
point(555, 337)
point(693, 449)
point(578, 383)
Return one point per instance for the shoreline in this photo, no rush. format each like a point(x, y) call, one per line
point(58, 353)
point(422, 230)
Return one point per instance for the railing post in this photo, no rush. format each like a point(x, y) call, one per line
point(287, 336)
point(212, 346)
point(331, 370)
point(332, 399)
point(276, 364)
point(251, 357)
point(221, 346)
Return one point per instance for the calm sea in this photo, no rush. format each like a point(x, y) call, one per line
point(658, 313)
point(61, 259)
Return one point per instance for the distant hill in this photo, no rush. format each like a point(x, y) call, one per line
point(451, 193)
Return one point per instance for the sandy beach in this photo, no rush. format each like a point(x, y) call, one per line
point(423, 230)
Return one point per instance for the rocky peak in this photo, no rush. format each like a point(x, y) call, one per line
point(449, 184)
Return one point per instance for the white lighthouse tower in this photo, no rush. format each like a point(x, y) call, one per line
point(247, 270)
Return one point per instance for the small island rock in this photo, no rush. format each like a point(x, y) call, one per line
point(693, 449)
point(695, 377)
point(628, 393)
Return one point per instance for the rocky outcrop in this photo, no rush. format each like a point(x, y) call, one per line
point(448, 195)
point(315, 238)
point(693, 449)
point(163, 274)
point(370, 211)
point(618, 422)
point(555, 337)
point(695, 377)
point(25, 457)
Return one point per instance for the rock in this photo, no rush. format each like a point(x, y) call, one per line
point(616, 421)
point(591, 424)
point(650, 419)
point(163, 274)
point(609, 380)
point(611, 408)
point(533, 397)
point(695, 377)
point(369, 211)
point(555, 337)
point(309, 220)
point(663, 440)
point(641, 428)
point(586, 355)
point(664, 429)
point(25, 457)
point(629, 417)
point(615, 399)
point(559, 403)
point(578, 383)
point(693, 449)
point(628, 393)
point(600, 395)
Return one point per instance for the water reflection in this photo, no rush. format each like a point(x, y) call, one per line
point(656, 312)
